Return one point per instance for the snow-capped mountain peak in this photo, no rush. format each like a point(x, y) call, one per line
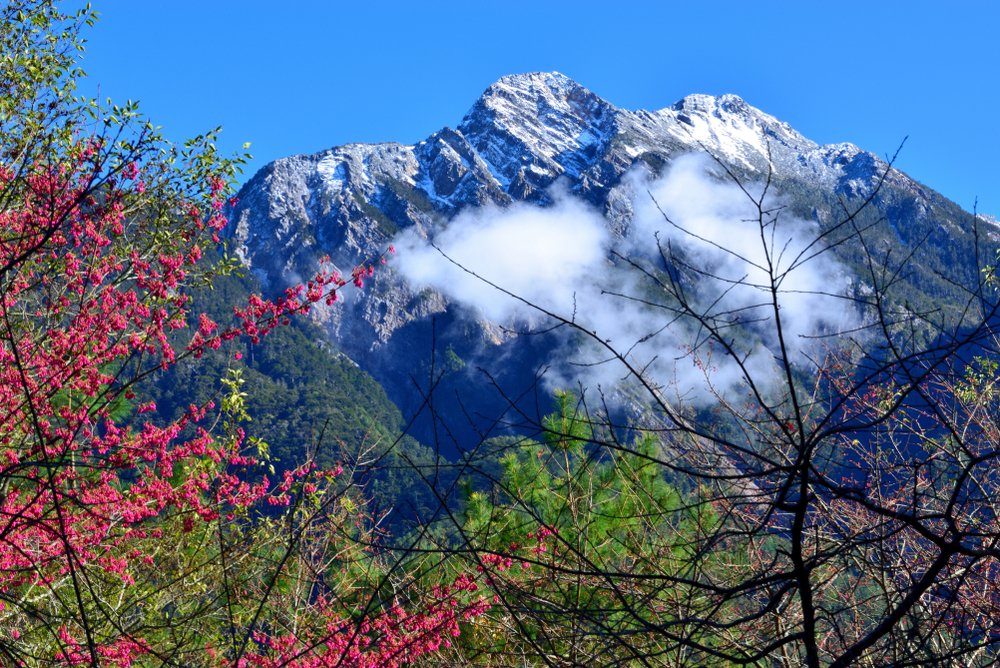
point(521, 136)
point(538, 124)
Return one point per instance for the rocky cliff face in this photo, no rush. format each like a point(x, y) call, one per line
point(523, 135)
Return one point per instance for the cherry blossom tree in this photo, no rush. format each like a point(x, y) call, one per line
point(125, 538)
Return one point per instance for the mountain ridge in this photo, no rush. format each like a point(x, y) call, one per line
point(499, 154)
point(525, 135)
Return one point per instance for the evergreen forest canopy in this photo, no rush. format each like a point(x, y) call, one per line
point(188, 478)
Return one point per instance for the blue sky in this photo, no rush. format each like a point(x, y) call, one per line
point(298, 76)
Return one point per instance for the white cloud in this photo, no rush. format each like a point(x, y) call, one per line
point(718, 228)
point(543, 255)
point(558, 258)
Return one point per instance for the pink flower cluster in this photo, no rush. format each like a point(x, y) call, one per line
point(390, 639)
point(89, 304)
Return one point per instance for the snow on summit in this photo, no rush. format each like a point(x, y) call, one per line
point(523, 133)
point(530, 143)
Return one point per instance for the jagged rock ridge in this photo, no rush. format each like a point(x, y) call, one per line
point(522, 135)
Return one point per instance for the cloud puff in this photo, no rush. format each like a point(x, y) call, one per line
point(559, 257)
point(543, 255)
point(741, 251)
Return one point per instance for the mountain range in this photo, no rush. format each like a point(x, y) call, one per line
point(531, 143)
